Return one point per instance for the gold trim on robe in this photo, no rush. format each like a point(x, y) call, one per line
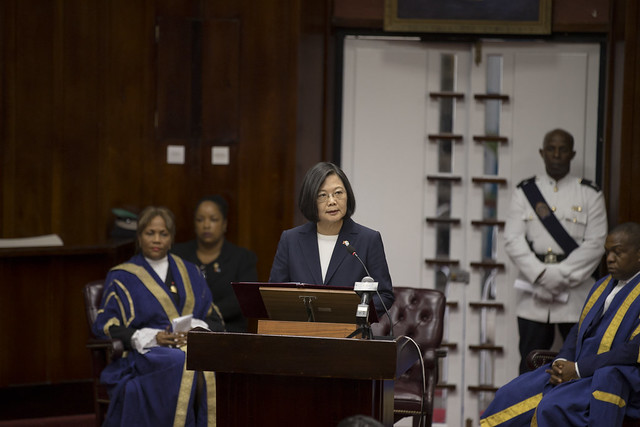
point(512, 411)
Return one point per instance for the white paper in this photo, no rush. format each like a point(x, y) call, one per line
point(523, 285)
point(182, 324)
point(32, 242)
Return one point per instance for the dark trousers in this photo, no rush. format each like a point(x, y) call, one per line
point(538, 336)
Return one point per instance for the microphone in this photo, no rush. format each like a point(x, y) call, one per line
point(366, 288)
point(353, 252)
point(363, 286)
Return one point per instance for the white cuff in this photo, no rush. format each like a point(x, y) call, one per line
point(144, 339)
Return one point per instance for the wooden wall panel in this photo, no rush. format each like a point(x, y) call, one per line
point(42, 311)
point(358, 13)
point(178, 77)
point(220, 101)
point(315, 104)
point(567, 15)
point(221, 81)
point(72, 115)
point(184, 8)
point(581, 15)
point(627, 152)
point(268, 98)
point(20, 294)
point(80, 89)
point(174, 53)
point(127, 156)
point(28, 115)
point(76, 118)
point(198, 105)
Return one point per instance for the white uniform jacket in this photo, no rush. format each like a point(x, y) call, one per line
point(581, 210)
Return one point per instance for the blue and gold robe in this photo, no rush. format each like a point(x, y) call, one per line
point(154, 389)
point(606, 348)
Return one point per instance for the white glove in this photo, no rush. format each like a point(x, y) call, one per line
point(542, 295)
point(552, 280)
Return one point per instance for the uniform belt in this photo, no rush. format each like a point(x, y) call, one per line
point(559, 257)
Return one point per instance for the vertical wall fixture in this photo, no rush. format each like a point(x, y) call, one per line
point(445, 181)
point(488, 226)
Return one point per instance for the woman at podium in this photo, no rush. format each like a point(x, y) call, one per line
point(316, 252)
point(149, 303)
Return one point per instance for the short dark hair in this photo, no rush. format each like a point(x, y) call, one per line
point(313, 180)
point(631, 230)
point(566, 136)
point(218, 200)
point(148, 214)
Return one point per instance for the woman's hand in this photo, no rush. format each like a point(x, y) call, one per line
point(171, 339)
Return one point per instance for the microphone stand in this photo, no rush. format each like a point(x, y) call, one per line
point(363, 329)
point(362, 313)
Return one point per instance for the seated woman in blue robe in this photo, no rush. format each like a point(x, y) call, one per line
point(149, 385)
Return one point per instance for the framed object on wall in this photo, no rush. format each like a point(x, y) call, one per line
point(468, 16)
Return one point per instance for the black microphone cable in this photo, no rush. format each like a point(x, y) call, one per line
point(424, 385)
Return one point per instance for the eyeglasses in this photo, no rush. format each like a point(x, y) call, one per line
point(337, 195)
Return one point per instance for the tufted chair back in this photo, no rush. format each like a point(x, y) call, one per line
point(92, 299)
point(419, 314)
point(103, 351)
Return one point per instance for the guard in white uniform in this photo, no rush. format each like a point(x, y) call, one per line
point(555, 264)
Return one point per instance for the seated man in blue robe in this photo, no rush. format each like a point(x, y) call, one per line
point(595, 379)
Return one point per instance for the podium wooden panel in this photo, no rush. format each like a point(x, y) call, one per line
point(314, 329)
point(273, 380)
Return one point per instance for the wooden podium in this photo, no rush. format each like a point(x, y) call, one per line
point(299, 308)
point(276, 380)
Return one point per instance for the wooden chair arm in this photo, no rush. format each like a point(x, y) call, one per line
point(537, 358)
point(112, 348)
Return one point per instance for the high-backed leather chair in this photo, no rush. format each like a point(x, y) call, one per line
point(103, 351)
point(419, 314)
point(538, 358)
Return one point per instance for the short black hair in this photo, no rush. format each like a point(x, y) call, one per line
point(218, 200)
point(313, 180)
point(631, 230)
point(566, 136)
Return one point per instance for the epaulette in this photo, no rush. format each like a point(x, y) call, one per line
point(590, 183)
point(527, 181)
